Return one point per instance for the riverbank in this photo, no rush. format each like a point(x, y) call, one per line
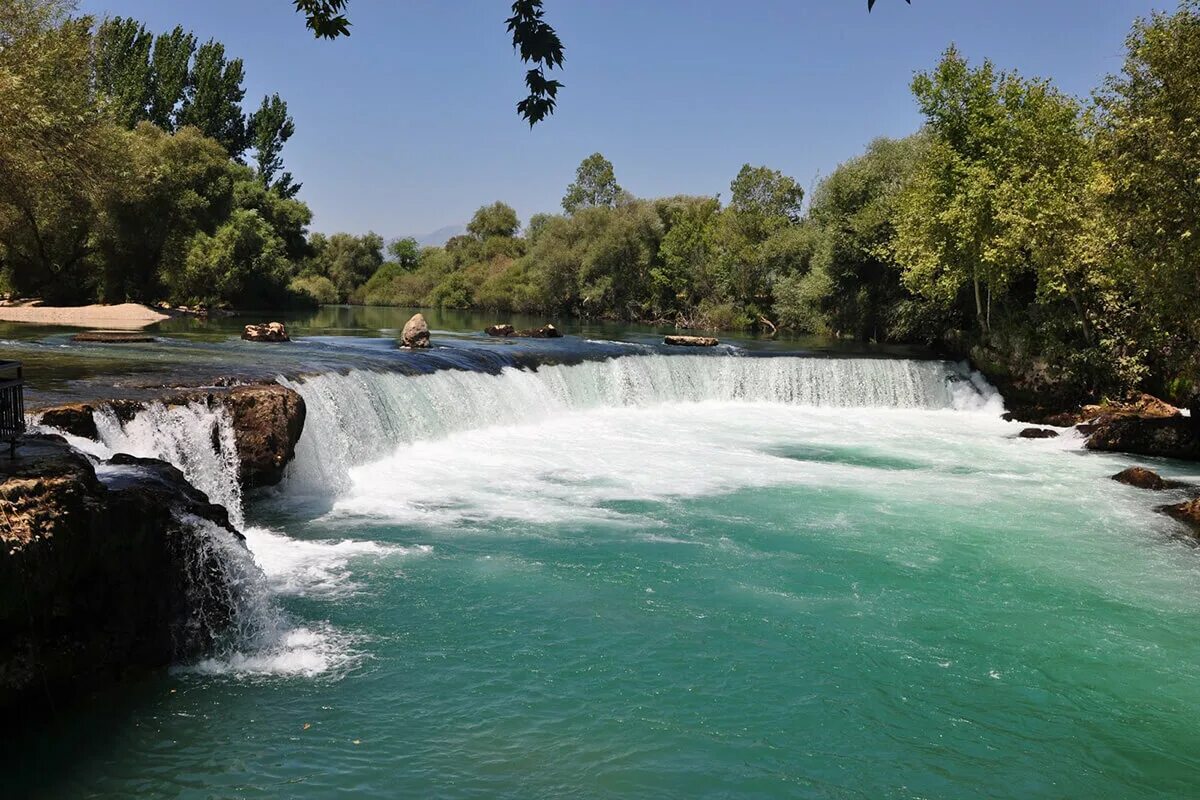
point(123, 316)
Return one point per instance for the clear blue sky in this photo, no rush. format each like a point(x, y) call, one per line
point(409, 125)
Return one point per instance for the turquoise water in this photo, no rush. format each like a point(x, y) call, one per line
point(666, 577)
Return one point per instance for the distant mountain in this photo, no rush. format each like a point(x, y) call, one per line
point(440, 236)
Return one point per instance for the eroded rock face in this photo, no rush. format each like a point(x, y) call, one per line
point(96, 580)
point(416, 332)
point(267, 422)
point(691, 341)
point(1167, 437)
point(74, 418)
point(268, 332)
point(1038, 433)
point(1144, 478)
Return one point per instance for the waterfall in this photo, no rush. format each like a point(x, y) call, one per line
point(198, 440)
point(357, 417)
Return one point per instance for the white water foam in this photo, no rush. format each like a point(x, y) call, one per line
point(357, 418)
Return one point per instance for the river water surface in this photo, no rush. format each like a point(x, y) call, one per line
point(776, 570)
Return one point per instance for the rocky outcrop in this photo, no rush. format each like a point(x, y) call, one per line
point(1144, 478)
point(1188, 513)
point(1038, 433)
point(268, 332)
point(547, 331)
point(101, 578)
point(267, 421)
point(72, 418)
point(1167, 437)
point(416, 332)
point(691, 341)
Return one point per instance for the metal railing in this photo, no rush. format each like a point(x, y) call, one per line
point(12, 403)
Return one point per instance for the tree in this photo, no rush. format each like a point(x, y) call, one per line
point(973, 214)
point(122, 69)
point(406, 253)
point(345, 259)
point(269, 129)
point(241, 262)
point(213, 99)
point(499, 219)
point(595, 185)
point(173, 187)
point(58, 153)
point(169, 76)
point(1149, 143)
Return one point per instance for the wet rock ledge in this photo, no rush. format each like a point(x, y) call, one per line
point(102, 576)
point(267, 420)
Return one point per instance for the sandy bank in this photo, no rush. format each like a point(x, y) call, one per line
point(126, 316)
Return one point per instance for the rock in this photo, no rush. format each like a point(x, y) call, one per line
point(112, 337)
point(267, 422)
point(270, 332)
point(691, 341)
point(416, 332)
point(1187, 513)
point(1144, 478)
point(101, 580)
point(75, 418)
point(1167, 437)
point(547, 331)
point(1038, 433)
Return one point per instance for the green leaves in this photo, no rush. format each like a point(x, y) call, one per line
point(538, 44)
point(324, 17)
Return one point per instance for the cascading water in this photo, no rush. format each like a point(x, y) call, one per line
point(360, 416)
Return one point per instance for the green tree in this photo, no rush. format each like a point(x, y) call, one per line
point(406, 253)
point(999, 145)
point(170, 68)
point(1149, 143)
point(347, 260)
point(213, 99)
point(58, 154)
point(269, 130)
point(122, 69)
point(242, 262)
point(498, 219)
point(595, 185)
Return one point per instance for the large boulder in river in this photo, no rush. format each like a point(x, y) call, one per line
point(268, 332)
point(503, 329)
point(267, 422)
point(416, 332)
point(100, 579)
point(1144, 478)
point(691, 341)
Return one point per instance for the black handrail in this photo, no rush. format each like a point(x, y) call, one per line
point(12, 403)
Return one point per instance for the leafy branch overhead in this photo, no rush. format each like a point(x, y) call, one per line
point(871, 4)
point(538, 44)
point(325, 17)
